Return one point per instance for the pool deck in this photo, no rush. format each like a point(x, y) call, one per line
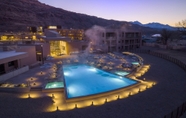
point(39, 79)
point(160, 100)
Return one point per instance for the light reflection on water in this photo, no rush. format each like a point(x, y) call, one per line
point(86, 80)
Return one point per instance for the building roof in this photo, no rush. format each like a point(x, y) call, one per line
point(11, 56)
point(56, 38)
point(51, 35)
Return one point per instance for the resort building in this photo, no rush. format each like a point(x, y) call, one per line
point(120, 40)
point(68, 41)
point(63, 45)
point(36, 53)
point(19, 58)
point(21, 37)
point(74, 34)
point(11, 60)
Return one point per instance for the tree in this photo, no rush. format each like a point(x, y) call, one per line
point(181, 25)
point(182, 28)
point(165, 36)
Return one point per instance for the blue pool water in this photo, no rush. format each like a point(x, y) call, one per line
point(121, 73)
point(84, 80)
point(52, 85)
point(135, 63)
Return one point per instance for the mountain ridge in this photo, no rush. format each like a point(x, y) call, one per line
point(17, 15)
point(155, 25)
point(33, 13)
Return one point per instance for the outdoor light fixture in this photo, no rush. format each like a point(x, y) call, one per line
point(28, 95)
point(34, 83)
point(105, 100)
point(130, 93)
point(53, 96)
point(75, 105)
point(42, 54)
point(118, 97)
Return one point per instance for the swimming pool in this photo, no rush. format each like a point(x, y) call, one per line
point(135, 63)
point(83, 80)
point(121, 73)
point(52, 85)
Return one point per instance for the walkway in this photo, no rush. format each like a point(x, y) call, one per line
point(172, 53)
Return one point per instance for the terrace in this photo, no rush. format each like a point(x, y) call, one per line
point(137, 94)
point(51, 77)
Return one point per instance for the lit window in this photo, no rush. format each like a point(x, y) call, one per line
point(34, 37)
point(4, 38)
point(52, 27)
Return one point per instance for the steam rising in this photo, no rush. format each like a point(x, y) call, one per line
point(94, 35)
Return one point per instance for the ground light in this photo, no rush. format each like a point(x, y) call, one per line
point(60, 103)
point(28, 95)
point(92, 103)
point(118, 97)
point(53, 96)
point(63, 105)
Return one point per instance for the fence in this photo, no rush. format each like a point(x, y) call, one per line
point(181, 109)
point(177, 112)
point(164, 56)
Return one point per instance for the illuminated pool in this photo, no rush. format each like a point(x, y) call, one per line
point(121, 73)
point(135, 63)
point(84, 80)
point(52, 85)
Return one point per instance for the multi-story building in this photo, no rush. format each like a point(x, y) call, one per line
point(36, 52)
point(120, 40)
point(20, 37)
point(62, 44)
point(17, 59)
point(65, 41)
point(74, 34)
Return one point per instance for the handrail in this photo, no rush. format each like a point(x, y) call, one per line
point(179, 111)
point(164, 56)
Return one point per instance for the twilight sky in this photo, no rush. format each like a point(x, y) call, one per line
point(163, 11)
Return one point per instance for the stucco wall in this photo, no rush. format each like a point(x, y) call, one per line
point(7, 68)
point(13, 73)
point(46, 49)
point(31, 59)
point(43, 48)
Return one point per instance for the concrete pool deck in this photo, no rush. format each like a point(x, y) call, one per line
point(168, 94)
point(35, 73)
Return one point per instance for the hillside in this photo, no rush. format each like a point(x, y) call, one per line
point(16, 15)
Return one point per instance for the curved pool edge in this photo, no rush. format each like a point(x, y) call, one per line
point(104, 94)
